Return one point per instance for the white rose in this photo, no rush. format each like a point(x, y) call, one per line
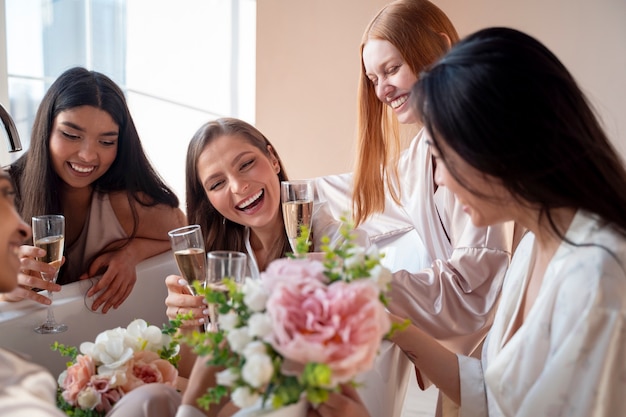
point(254, 295)
point(117, 376)
point(357, 257)
point(243, 397)
point(238, 339)
point(381, 276)
point(226, 378)
point(258, 370)
point(254, 348)
point(88, 398)
point(110, 348)
point(61, 378)
point(260, 325)
point(228, 321)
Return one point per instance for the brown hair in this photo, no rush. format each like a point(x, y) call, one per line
point(219, 232)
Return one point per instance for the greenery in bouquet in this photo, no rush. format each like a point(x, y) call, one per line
point(99, 373)
point(309, 324)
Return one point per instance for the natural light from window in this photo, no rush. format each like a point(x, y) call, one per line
point(180, 63)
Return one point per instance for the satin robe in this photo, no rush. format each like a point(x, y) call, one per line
point(448, 273)
point(569, 356)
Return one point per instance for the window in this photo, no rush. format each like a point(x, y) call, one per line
point(180, 63)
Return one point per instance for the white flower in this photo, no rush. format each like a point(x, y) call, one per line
point(355, 258)
point(116, 376)
point(243, 397)
point(260, 325)
point(228, 321)
point(61, 378)
point(258, 370)
point(238, 339)
point(88, 398)
point(109, 349)
point(227, 377)
point(254, 295)
point(140, 336)
point(254, 348)
point(381, 276)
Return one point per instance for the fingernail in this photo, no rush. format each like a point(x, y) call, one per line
point(201, 320)
point(206, 312)
point(182, 282)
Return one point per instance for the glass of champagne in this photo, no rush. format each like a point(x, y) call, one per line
point(297, 200)
point(221, 265)
point(49, 235)
point(188, 247)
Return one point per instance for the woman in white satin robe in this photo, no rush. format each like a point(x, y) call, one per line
point(519, 142)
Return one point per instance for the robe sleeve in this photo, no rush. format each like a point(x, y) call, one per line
point(473, 395)
point(455, 299)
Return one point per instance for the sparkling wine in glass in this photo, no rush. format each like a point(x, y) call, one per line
point(49, 235)
point(188, 247)
point(222, 265)
point(297, 201)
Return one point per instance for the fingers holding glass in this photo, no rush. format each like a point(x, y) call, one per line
point(49, 235)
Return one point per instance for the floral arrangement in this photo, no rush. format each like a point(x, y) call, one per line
point(305, 327)
point(119, 361)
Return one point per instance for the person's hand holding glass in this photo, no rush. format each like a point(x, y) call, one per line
point(297, 204)
point(222, 265)
point(49, 235)
point(188, 248)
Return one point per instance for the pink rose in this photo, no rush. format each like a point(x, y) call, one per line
point(77, 378)
point(340, 325)
point(287, 270)
point(108, 395)
point(147, 367)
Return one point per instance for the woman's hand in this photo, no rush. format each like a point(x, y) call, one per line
point(29, 277)
point(346, 403)
point(117, 281)
point(180, 301)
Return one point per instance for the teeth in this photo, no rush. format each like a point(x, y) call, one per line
point(81, 169)
point(399, 101)
point(250, 200)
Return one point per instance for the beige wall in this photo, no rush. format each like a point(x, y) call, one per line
point(308, 66)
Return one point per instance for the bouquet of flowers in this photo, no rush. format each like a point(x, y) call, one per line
point(301, 330)
point(119, 361)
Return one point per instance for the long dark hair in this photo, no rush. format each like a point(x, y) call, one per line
point(38, 184)
point(219, 232)
point(508, 107)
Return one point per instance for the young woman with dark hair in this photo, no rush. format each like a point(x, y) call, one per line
point(520, 142)
point(86, 161)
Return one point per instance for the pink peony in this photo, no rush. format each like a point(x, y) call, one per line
point(340, 325)
point(77, 378)
point(286, 270)
point(146, 367)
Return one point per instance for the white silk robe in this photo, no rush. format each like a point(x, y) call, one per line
point(569, 356)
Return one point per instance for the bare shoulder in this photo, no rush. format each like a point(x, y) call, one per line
point(152, 220)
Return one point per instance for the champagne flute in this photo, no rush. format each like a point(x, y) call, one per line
point(297, 201)
point(188, 247)
point(221, 265)
point(49, 235)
